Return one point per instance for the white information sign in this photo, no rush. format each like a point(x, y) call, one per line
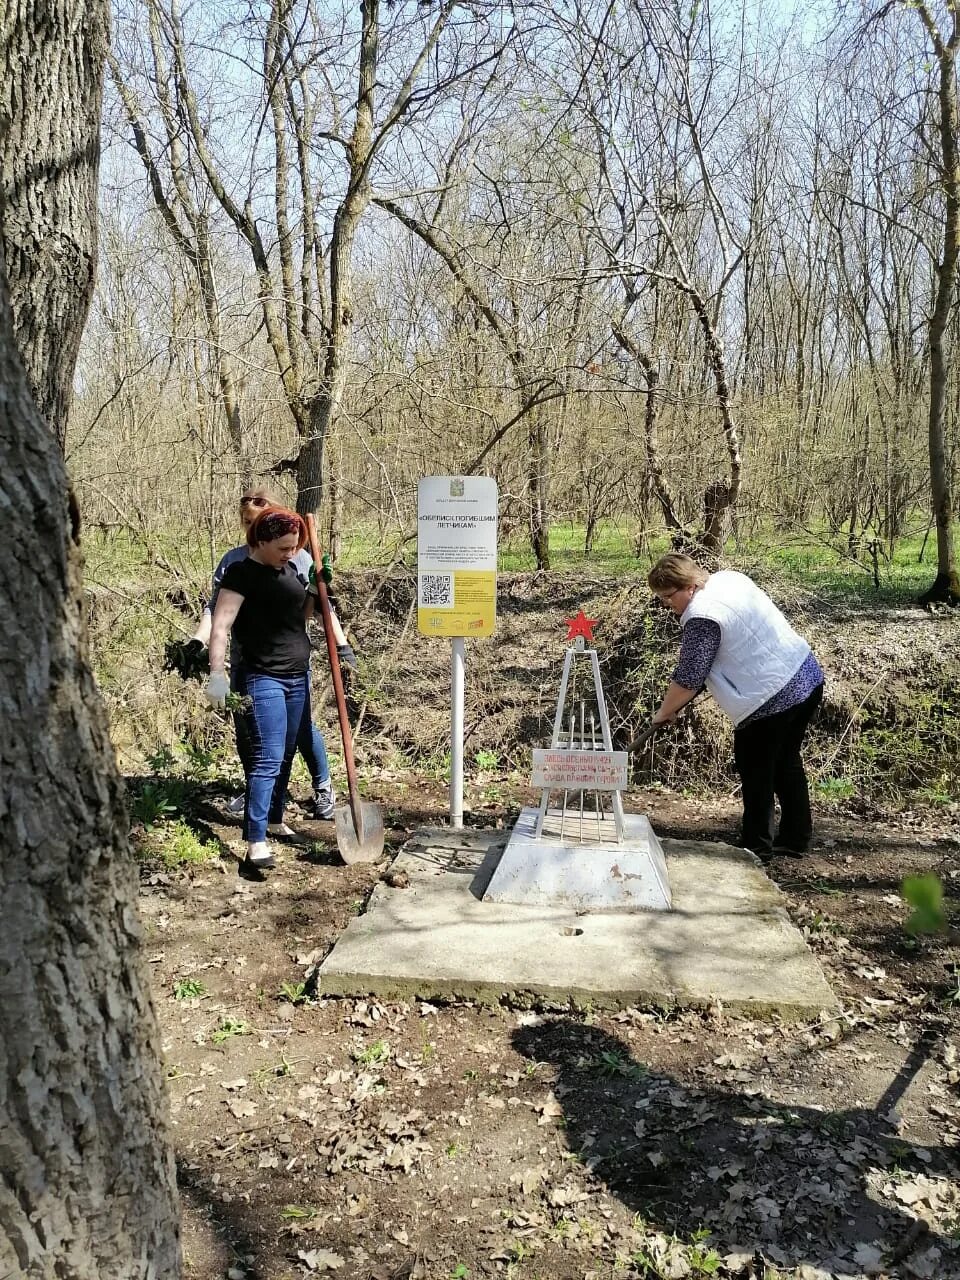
point(555, 767)
point(457, 555)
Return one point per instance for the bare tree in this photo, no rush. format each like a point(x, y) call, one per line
point(88, 1180)
point(649, 88)
point(333, 97)
point(945, 44)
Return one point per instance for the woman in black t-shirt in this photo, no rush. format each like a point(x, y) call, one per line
point(265, 600)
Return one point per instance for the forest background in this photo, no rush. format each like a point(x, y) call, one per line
point(672, 274)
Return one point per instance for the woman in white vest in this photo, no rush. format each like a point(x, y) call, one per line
point(763, 675)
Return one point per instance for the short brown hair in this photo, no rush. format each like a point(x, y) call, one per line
point(277, 522)
point(674, 571)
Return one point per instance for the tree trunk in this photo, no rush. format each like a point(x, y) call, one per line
point(538, 489)
point(946, 586)
point(88, 1187)
point(651, 438)
point(49, 94)
point(335, 511)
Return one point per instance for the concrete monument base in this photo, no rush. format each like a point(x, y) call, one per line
point(728, 938)
point(597, 873)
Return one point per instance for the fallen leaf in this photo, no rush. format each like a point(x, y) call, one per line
point(550, 1109)
point(241, 1108)
point(869, 1257)
point(530, 1179)
point(559, 1197)
point(320, 1259)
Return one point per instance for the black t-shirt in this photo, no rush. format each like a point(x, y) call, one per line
point(270, 629)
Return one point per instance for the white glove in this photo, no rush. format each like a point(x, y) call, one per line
point(216, 689)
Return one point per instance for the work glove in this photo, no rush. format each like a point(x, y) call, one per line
point(347, 657)
point(187, 657)
point(326, 574)
point(216, 689)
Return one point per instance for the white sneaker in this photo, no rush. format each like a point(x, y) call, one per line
point(259, 856)
point(281, 829)
point(235, 805)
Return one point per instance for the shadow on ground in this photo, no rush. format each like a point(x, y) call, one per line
point(781, 1184)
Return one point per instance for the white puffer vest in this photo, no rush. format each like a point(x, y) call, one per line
point(759, 650)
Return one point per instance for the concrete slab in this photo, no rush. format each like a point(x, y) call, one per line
point(727, 938)
point(600, 874)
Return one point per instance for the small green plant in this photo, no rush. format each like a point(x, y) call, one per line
point(228, 1028)
point(823, 924)
point(177, 845)
point(296, 1212)
point(295, 992)
point(189, 989)
point(428, 1051)
point(835, 788)
point(471, 1074)
point(612, 1063)
point(645, 1265)
point(161, 760)
point(273, 1072)
point(487, 761)
point(459, 1272)
point(703, 1261)
point(437, 765)
point(200, 761)
point(373, 1054)
point(952, 995)
point(152, 804)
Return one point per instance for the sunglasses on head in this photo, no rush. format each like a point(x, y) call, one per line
point(255, 501)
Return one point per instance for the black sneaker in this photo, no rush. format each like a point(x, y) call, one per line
point(324, 802)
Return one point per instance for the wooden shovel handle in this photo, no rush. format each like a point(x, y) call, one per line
point(345, 732)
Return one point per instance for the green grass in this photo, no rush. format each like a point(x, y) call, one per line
point(614, 550)
point(815, 559)
point(176, 844)
point(818, 561)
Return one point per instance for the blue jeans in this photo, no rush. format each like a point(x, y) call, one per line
point(310, 741)
point(272, 721)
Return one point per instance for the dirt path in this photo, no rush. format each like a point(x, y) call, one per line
point(378, 1142)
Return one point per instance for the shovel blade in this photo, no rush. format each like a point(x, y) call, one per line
point(365, 845)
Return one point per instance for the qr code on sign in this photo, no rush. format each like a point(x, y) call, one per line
point(436, 590)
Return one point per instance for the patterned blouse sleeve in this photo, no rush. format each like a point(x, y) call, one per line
point(698, 648)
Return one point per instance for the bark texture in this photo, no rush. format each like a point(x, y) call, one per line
point(51, 60)
point(87, 1186)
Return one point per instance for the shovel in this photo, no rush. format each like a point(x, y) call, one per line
point(359, 825)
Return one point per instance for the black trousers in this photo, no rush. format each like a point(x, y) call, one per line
point(767, 757)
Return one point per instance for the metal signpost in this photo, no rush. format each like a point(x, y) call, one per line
point(456, 585)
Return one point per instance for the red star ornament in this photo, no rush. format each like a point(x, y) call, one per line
point(581, 625)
